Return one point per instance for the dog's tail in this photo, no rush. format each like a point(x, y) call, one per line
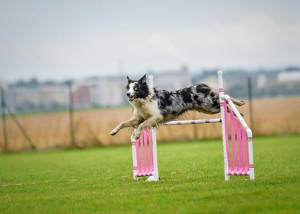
point(237, 102)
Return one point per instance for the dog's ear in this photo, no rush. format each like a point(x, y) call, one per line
point(143, 79)
point(129, 80)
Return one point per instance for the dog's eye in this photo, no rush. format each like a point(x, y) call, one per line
point(135, 88)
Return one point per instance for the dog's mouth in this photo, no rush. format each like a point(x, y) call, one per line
point(131, 98)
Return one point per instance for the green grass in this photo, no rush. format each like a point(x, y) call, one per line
point(191, 174)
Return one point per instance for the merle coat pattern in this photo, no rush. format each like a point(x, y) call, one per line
point(152, 106)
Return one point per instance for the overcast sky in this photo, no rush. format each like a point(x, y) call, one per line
point(75, 39)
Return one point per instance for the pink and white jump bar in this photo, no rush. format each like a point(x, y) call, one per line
point(144, 150)
point(184, 122)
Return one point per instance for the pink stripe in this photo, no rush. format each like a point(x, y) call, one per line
point(239, 143)
point(249, 138)
point(228, 100)
point(146, 151)
point(133, 143)
point(135, 168)
point(226, 138)
point(221, 90)
point(178, 122)
point(245, 147)
point(137, 155)
point(142, 153)
point(193, 122)
point(233, 142)
point(151, 150)
point(251, 166)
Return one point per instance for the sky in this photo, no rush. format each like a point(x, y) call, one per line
point(57, 40)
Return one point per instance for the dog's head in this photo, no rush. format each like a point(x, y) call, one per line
point(137, 89)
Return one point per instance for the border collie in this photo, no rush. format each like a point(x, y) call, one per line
point(152, 106)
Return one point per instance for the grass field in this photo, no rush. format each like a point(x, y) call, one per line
point(191, 174)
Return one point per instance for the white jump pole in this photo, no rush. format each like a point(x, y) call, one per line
point(223, 113)
point(156, 176)
point(134, 153)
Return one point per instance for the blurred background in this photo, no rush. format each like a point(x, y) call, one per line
point(63, 65)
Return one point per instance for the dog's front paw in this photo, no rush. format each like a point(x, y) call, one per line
point(114, 131)
point(137, 135)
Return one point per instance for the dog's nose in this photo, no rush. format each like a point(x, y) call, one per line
point(128, 94)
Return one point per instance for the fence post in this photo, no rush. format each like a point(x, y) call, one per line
point(71, 114)
point(250, 103)
point(21, 128)
point(4, 119)
point(195, 133)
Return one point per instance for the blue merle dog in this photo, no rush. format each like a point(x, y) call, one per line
point(152, 106)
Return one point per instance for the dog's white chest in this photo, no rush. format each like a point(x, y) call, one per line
point(145, 109)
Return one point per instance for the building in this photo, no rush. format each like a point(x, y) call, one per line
point(261, 81)
point(172, 80)
point(289, 76)
point(95, 92)
point(43, 97)
point(103, 92)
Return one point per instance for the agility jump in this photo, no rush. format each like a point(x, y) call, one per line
point(144, 149)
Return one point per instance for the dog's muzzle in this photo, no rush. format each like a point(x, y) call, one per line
point(131, 97)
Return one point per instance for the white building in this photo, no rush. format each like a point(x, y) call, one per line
point(100, 92)
point(40, 97)
point(289, 76)
point(109, 92)
point(172, 80)
point(261, 80)
point(3, 84)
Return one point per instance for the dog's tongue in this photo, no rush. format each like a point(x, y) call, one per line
point(131, 98)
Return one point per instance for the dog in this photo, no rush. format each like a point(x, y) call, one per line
point(152, 106)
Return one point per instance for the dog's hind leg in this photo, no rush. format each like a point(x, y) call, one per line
point(151, 121)
point(132, 122)
point(228, 111)
point(237, 102)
